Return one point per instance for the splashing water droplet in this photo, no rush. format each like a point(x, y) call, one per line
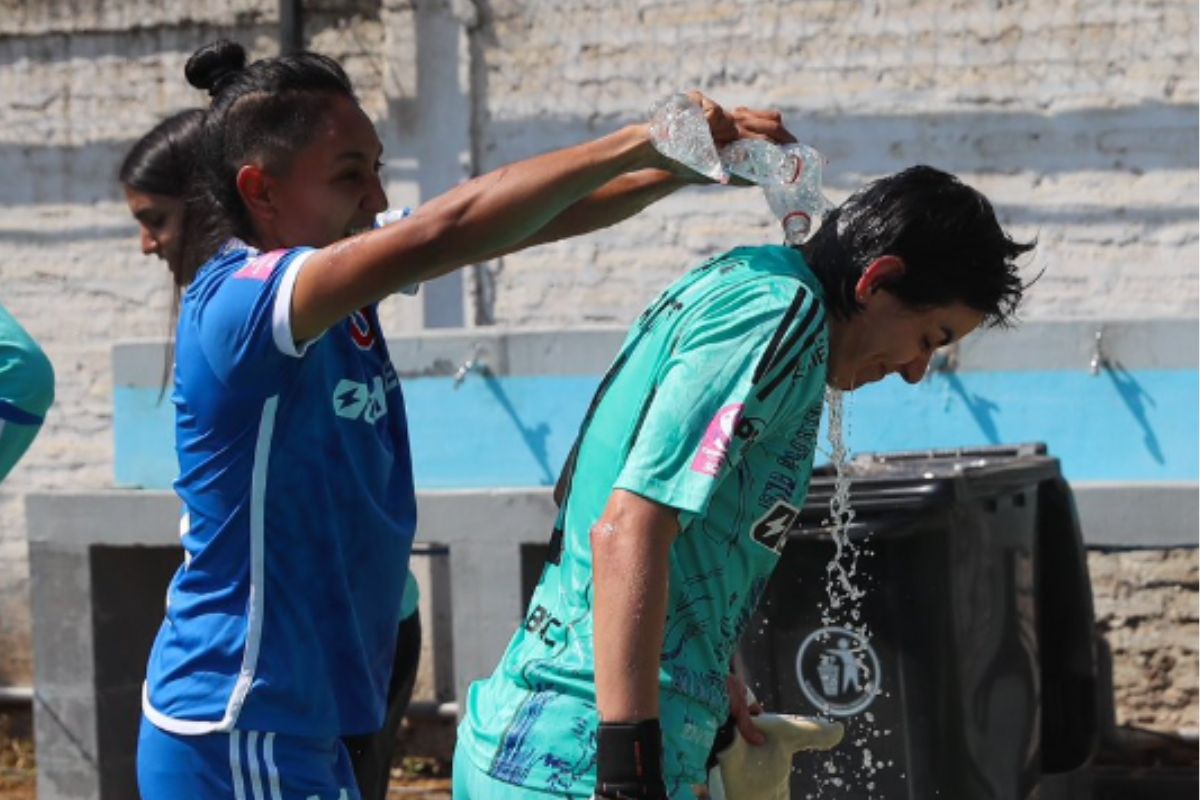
point(853, 767)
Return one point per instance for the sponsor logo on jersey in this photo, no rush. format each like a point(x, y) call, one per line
point(714, 448)
point(354, 400)
point(838, 671)
point(260, 267)
point(542, 623)
point(771, 528)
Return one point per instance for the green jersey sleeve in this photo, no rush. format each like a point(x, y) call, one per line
point(735, 362)
point(26, 390)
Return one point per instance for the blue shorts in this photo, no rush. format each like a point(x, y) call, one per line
point(242, 765)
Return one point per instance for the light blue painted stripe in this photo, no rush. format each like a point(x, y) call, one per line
point(1139, 426)
point(143, 439)
point(495, 432)
point(1126, 427)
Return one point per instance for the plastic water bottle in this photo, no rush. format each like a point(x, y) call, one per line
point(790, 176)
point(391, 215)
point(796, 208)
point(680, 132)
point(387, 218)
point(800, 202)
point(760, 161)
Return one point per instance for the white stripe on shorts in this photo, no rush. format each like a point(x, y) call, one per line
point(252, 764)
point(272, 772)
point(235, 764)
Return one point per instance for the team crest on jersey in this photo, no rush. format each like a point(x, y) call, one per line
point(361, 330)
point(260, 267)
point(749, 429)
point(771, 528)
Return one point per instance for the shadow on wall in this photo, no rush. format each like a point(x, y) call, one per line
point(1136, 399)
point(1150, 136)
point(980, 408)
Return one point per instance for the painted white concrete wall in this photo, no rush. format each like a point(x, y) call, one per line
point(1077, 118)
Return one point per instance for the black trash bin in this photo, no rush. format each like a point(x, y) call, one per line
point(978, 676)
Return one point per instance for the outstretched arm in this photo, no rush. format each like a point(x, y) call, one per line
point(487, 215)
point(548, 197)
point(627, 195)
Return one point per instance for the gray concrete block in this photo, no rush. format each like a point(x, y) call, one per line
point(1127, 515)
point(62, 616)
point(113, 518)
point(430, 565)
point(67, 783)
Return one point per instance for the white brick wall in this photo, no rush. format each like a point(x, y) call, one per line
point(1077, 118)
point(33, 18)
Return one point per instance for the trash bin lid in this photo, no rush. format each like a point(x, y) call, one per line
point(891, 489)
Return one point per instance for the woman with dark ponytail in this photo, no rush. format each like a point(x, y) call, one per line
point(155, 175)
point(295, 479)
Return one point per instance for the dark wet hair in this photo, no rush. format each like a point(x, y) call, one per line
point(945, 232)
point(161, 162)
point(264, 112)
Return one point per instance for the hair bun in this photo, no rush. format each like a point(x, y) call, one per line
point(214, 65)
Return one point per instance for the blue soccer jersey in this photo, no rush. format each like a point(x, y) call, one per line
point(298, 513)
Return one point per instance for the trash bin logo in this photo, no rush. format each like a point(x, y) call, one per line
point(838, 671)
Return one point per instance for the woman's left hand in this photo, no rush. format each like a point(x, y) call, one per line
point(743, 707)
point(761, 124)
point(727, 126)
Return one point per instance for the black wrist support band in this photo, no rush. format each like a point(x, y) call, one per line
point(629, 761)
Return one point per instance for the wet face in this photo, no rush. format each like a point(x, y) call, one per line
point(888, 336)
point(160, 219)
point(332, 186)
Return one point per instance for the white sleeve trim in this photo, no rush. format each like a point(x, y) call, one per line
point(281, 314)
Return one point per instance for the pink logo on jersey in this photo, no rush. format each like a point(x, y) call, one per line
point(260, 268)
point(715, 445)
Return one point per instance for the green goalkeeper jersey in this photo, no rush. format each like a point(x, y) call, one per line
point(711, 408)
point(26, 390)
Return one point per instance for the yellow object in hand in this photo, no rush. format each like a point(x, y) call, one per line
point(749, 772)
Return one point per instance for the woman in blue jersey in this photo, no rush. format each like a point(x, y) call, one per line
point(298, 503)
point(154, 175)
